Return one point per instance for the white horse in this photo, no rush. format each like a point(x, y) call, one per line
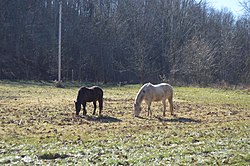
point(149, 93)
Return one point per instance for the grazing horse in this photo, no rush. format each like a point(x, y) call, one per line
point(89, 94)
point(149, 93)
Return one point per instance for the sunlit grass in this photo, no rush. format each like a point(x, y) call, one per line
point(214, 96)
point(38, 126)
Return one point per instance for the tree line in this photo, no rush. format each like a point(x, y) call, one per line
point(129, 41)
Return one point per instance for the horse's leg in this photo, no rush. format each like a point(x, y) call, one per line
point(164, 107)
point(94, 102)
point(170, 100)
point(84, 108)
point(149, 110)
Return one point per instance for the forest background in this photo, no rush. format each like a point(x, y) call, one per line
point(131, 41)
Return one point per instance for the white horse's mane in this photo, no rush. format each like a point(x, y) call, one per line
point(141, 93)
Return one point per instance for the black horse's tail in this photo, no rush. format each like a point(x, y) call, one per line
point(101, 104)
point(100, 100)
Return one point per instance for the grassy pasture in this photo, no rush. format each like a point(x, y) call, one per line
point(38, 126)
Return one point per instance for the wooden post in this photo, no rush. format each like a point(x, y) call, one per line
point(59, 41)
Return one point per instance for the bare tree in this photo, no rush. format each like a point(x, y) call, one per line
point(111, 40)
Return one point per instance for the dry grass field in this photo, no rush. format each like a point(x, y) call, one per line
point(38, 126)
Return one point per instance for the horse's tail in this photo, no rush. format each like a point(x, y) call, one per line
point(100, 100)
point(101, 103)
point(170, 100)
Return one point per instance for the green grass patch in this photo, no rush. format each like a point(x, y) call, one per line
point(38, 126)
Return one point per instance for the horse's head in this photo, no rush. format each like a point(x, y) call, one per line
point(78, 107)
point(137, 109)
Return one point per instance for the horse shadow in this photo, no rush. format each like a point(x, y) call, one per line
point(179, 119)
point(101, 119)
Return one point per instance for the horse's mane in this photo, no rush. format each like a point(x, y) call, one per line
point(141, 92)
point(80, 93)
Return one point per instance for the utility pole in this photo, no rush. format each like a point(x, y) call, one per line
point(59, 41)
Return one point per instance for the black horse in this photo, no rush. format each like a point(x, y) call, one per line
point(89, 94)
